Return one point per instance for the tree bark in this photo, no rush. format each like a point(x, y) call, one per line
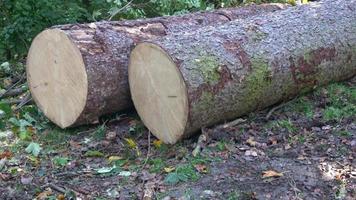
point(250, 64)
point(105, 48)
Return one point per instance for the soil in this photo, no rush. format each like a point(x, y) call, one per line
point(313, 159)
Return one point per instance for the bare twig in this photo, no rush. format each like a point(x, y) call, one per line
point(232, 123)
point(121, 9)
point(148, 191)
point(201, 142)
point(148, 150)
point(269, 114)
point(54, 187)
point(24, 101)
point(12, 86)
point(13, 92)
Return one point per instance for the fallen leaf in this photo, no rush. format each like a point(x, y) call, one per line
point(125, 173)
point(35, 161)
point(74, 144)
point(114, 158)
point(60, 197)
point(157, 143)
point(251, 153)
point(271, 173)
point(33, 148)
point(5, 176)
point(132, 144)
point(273, 140)
point(169, 169)
point(338, 176)
point(2, 163)
point(26, 180)
point(91, 153)
point(105, 170)
point(5, 154)
point(251, 142)
point(301, 157)
point(111, 135)
point(45, 194)
point(201, 168)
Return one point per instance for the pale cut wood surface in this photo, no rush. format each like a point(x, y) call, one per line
point(56, 76)
point(157, 82)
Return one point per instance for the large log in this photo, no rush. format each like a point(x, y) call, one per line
point(184, 82)
point(77, 73)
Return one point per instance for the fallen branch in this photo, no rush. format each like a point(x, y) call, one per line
point(24, 101)
point(148, 150)
point(14, 92)
point(201, 142)
point(12, 86)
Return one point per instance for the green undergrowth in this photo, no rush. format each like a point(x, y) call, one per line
point(341, 102)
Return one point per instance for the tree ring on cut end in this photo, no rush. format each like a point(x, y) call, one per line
point(57, 77)
point(158, 91)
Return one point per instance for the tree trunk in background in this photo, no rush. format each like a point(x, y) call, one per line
point(105, 48)
point(244, 65)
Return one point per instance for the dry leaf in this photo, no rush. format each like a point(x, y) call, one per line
point(114, 158)
point(157, 143)
point(5, 154)
point(201, 168)
point(169, 169)
point(271, 173)
point(74, 144)
point(251, 142)
point(251, 153)
point(273, 140)
point(45, 194)
point(338, 176)
point(61, 197)
point(132, 144)
point(111, 135)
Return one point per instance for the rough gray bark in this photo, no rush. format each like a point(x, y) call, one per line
point(245, 65)
point(105, 47)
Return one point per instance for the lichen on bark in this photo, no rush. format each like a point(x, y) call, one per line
point(258, 80)
point(205, 101)
point(208, 68)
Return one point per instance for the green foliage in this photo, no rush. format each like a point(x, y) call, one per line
point(285, 124)
point(182, 174)
point(99, 133)
point(60, 161)
point(33, 148)
point(303, 106)
point(342, 102)
point(21, 20)
point(157, 165)
point(92, 153)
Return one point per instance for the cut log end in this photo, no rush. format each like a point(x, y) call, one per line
point(158, 92)
point(57, 77)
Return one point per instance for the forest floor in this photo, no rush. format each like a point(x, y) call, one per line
point(304, 149)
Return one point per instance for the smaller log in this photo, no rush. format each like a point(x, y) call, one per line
point(183, 82)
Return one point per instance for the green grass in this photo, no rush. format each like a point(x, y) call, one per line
point(157, 165)
point(342, 102)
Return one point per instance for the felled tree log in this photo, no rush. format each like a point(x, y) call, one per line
point(184, 82)
point(77, 73)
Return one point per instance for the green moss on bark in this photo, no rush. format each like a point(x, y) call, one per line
point(205, 102)
point(258, 81)
point(207, 66)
